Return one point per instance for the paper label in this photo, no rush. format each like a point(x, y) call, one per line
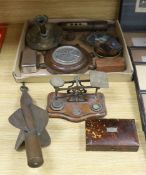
point(139, 42)
point(112, 129)
point(143, 58)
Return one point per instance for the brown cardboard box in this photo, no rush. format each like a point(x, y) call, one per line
point(110, 9)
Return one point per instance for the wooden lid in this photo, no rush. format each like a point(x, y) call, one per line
point(20, 11)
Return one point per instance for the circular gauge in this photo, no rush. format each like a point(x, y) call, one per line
point(67, 55)
point(67, 59)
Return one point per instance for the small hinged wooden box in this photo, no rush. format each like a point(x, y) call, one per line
point(111, 135)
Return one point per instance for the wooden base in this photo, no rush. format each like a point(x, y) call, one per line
point(115, 64)
point(77, 111)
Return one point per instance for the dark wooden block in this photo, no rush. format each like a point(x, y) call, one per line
point(111, 135)
point(115, 64)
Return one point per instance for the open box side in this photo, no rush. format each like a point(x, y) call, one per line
point(44, 75)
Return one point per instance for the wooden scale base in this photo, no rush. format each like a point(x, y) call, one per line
point(76, 111)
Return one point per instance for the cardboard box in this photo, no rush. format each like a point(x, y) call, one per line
point(43, 75)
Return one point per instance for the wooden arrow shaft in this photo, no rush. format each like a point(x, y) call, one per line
point(33, 150)
point(32, 144)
